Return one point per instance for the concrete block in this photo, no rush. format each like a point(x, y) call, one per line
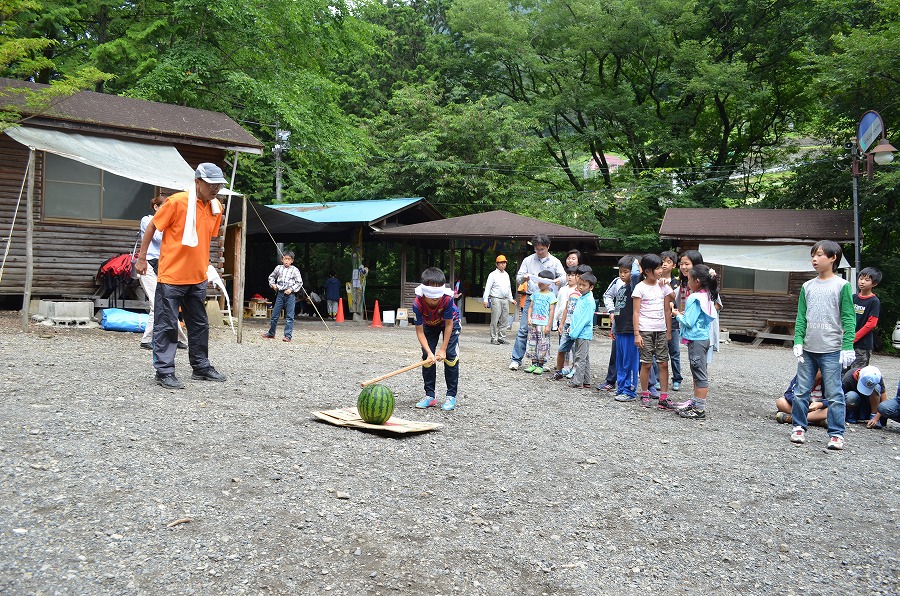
point(66, 312)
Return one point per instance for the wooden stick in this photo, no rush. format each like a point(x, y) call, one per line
point(391, 374)
point(178, 522)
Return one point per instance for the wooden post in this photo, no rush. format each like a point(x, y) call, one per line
point(403, 248)
point(240, 270)
point(29, 242)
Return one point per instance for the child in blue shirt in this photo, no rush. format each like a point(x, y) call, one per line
point(437, 314)
point(540, 317)
point(581, 329)
point(699, 312)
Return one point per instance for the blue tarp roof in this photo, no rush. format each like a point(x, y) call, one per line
point(347, 211)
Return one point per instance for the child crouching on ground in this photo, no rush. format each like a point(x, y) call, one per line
point(437, 314)
point(699, 313)
point(581, 329)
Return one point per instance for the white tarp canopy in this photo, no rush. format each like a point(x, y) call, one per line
point(159, 165)
point(777, 257)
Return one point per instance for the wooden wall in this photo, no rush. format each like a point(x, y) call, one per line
point(66, 256)
point(744, 311)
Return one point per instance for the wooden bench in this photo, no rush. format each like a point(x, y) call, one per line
point(768, 332)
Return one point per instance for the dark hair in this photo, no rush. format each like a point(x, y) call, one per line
point(582, 269)
point(872, 273)
point(708, 282)
point(694, 257)
point(571, 270)
point(575, 252)
point(433, 277)
point(668, 254)
point(540, 239)
point(651, 262)
point(590, 278)
point(831, 249)
point(546, 274)
point(626, 261)
point(288, 253)
point(157, 201)
point(331, 274)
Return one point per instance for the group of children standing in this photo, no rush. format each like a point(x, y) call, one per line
point(652, 312)
point(644, 310)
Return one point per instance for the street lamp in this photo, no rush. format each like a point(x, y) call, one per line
point(870, 126)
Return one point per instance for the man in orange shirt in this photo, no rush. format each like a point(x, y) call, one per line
point(189, 221)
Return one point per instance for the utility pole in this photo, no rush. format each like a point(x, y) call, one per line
point(281, 144)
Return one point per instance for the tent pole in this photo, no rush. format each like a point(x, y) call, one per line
point(29, 243)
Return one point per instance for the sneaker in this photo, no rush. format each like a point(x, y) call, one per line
point(558, 376)
point(783, 418)
point(667, 404)
point(684, 404)
point(836, 443)
point(501, 341)
point(798, 435)
point(531, 368)
point(692, 413)
point(570, 374)
point(513, 365)
point(449, 403)
point(182, 345)
point(146, 345)
point(268, 336)
point(606, 387)
point(169, 381)
point(493, 342)
point(208, 374)
point(676, 385)
point(656, 386)
point(537, 370)
point(428, 402)
point(654, 394)
point(645, 402)
point(625, 397)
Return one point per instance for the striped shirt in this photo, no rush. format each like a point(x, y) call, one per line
point(286, 277)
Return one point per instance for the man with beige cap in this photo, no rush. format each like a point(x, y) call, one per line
point(497, 297)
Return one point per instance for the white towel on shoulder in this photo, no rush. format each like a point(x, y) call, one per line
point(189, 238)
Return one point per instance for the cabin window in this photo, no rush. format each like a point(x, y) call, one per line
point(755, 280)
point(73, 190)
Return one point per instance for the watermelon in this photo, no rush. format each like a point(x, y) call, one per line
point(375, 404)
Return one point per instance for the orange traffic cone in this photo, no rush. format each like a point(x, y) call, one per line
point(376, 316)
point(340, 313)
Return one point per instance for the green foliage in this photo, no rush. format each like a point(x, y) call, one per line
point(22, 56)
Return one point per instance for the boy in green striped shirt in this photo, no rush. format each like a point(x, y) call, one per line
point(823, 341)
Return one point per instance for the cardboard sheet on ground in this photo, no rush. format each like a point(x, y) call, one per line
point(350, 417)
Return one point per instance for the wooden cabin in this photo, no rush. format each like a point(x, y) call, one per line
point(98, 159)
point(762, 256)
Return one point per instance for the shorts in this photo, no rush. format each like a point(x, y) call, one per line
point(655, 344)
point(566, 344)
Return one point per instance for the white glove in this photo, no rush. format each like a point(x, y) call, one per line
point(848, 357)
point(798, 352)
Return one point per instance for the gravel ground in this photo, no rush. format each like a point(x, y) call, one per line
point(529, 488)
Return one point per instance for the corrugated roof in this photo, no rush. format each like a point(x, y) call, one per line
point(106, 111)
point(493, 224)
point(365, 212)
point(757, 224)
